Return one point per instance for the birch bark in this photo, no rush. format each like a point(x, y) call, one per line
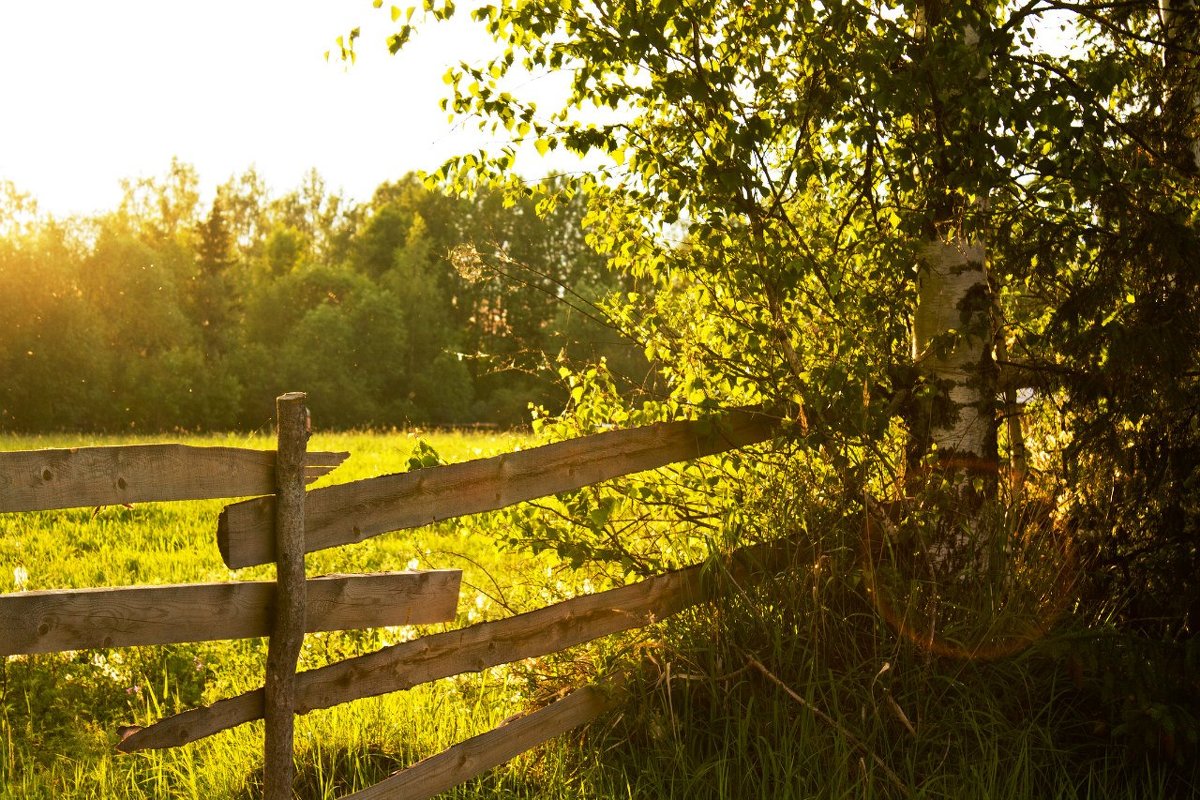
point(952, 430)
point(952, 338)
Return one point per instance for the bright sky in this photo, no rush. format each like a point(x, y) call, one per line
point(93, 92)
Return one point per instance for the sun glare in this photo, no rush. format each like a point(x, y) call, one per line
point(93, 93)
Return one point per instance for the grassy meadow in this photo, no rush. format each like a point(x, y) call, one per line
point(60, 712)
point(839, 706)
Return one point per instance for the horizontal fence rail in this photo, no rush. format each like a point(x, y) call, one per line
point(40, 480)
point(75, 619)
point(352, 512)
point(529, 635)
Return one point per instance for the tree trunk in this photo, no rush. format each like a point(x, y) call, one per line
point(1181, 62)
point(952, 338)
point(953, 421)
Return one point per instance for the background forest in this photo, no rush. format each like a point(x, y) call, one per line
point(414, 308)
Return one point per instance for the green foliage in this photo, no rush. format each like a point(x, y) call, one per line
point(642, 524)
point(424, 456)
point(767, 178)
point(772, 173)
point(159, 317)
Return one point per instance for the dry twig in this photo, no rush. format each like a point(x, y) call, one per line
point(833, 723)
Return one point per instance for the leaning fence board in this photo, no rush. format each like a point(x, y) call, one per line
point(38, 480)
point(351, 512)
point(480, 753)
point(76, 619)
point(535, 633)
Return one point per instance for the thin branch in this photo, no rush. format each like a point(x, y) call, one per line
point(833, 723)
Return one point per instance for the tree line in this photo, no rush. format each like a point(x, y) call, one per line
point(416, 307)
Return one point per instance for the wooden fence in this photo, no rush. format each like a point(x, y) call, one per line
point(284, 522)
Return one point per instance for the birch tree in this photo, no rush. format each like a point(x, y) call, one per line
point(826, 204)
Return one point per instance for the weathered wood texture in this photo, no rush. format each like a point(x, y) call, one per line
point(37, 480)
point(536, 633)
point(287, 627)
point(76, 619)
point(480, 753)
point(352, 512)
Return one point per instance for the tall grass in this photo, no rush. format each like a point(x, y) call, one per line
point(797, 687)
point(790, 687)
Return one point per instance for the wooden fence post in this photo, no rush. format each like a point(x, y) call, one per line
point(287, 633)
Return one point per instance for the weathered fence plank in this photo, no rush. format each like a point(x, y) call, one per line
point(287, 626)
point(535, 633)
point(38, 480)
point(352, 512)
point(76, 619)
point(480, 753)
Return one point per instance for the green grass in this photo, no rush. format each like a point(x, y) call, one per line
point(60, 712)
point(698, 722)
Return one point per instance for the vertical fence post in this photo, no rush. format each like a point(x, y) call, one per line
point(287, 632)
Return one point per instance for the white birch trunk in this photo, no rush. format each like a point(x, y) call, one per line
point(952, 338)
point(953, 421)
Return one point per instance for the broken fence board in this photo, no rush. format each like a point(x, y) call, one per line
point(39, 480)
point(352, 512)
point(76, 619)
point(529, 635)
point(480, 753)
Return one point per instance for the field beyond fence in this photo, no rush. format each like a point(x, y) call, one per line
point(286, 522)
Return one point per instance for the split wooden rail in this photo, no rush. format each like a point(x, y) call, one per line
point(285, 521)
